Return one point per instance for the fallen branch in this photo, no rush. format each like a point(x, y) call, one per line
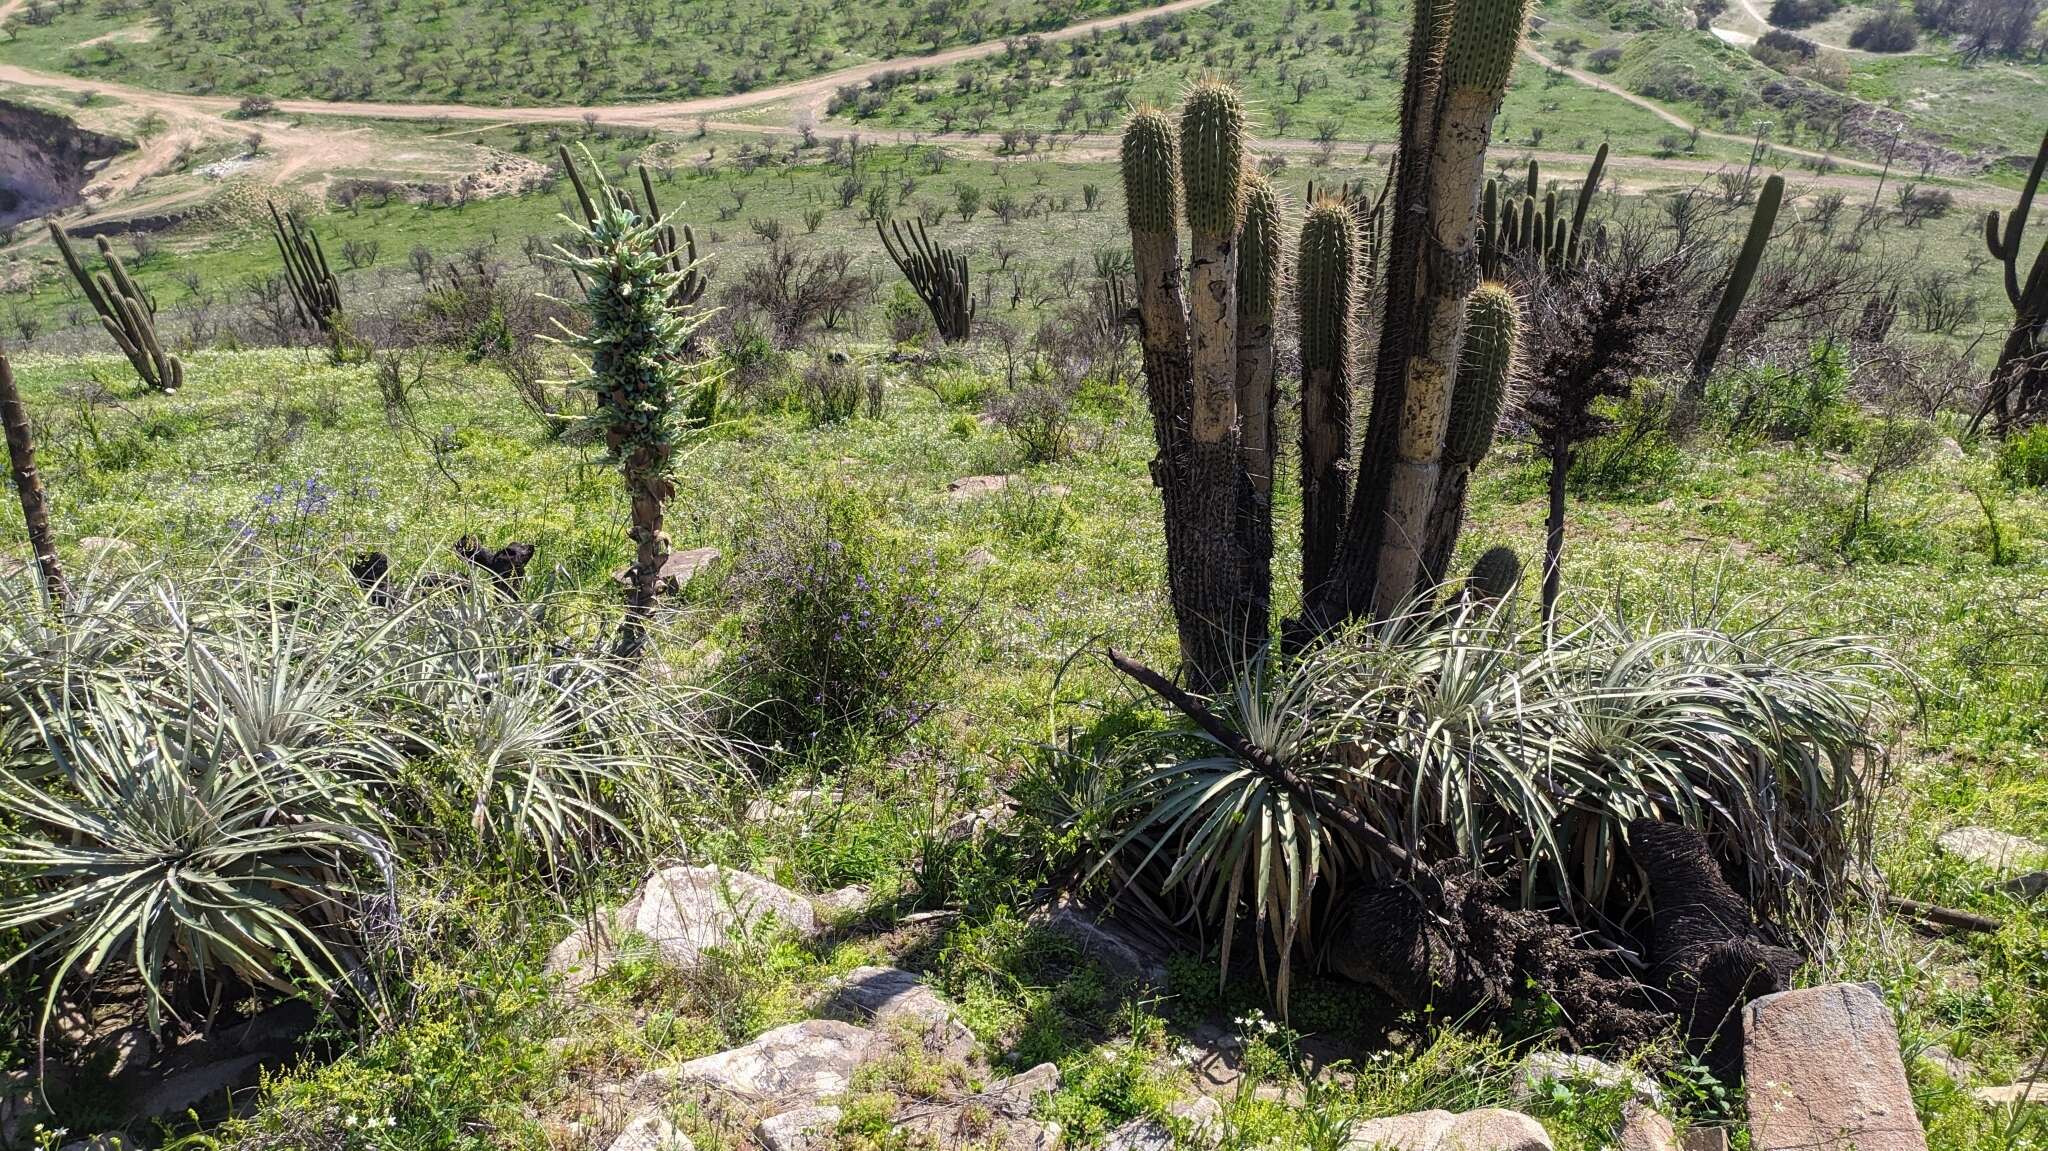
point(1946, 916)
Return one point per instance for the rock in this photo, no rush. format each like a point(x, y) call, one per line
point(1824, 1073)
point(975, 824)
point(651, 1132)
point(1488, 1129)
point(587, 952)
point(2032, 885)
point(978, 558)
point(1704, 1139)
point(105, 547)
point(1946, 1062)
point(20, 1106)
point(801, 1129)
point(2025, 1091)
point(1420, 1131)
point(1102, 941)
point(1017, 1095)
point(1543, 1068)
point(677, 570)
point(1494, 1129)
point(893, 997)
point(684, 910)
point(188, 1090)
point(964, 1125)
point(806, 1060)
point(968, 487)
point(845, 901)
point(1644, 1130)
point(1989, 847)
point(1201, 1118)
point(768, 809)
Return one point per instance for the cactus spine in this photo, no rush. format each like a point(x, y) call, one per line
point(1258, 283)
point(1486, 373)
point(126, 311)
point(1326, 291)
point(1739, 280)
point(2019, 384)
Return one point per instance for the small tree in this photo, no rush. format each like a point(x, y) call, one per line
point(640, 374)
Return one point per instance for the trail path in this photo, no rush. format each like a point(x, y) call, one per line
point(315, 147)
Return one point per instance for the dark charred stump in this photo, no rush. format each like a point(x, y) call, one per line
point(1706, 951)
point(507, 564)
point(1481, 953)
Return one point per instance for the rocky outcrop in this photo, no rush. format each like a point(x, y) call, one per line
point(1825, 1073)
point(650, 1131)
point(46, 161)
point(1190, 1125)
point(1541, 1069)
point(1991, 848)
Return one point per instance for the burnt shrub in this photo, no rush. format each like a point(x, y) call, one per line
point(845, 635)
point(1890, 29)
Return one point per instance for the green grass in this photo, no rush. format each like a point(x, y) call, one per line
point(184, 476)
point(523, 52)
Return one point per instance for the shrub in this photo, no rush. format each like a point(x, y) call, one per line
point(1770, 403)
point(1604, 59)
point(1889, 29)
point(1801, 13)
point(831, 389)
point(2023, 458)
point(1636, 457)
point(1038, 417)
point(845, 636)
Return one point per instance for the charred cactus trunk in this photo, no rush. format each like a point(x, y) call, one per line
point(28, 485)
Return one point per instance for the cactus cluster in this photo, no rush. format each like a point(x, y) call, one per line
point(1540, 231)
point(127, 312)
point(937, 274)
point(1206, 328)
point(316, 293)
point(2019, 384)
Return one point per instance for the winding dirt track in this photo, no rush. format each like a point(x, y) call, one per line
point(312, 147)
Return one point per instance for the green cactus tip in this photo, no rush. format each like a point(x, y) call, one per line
point(1487, 367)
point(1495, 574)
point(1151, 169)
point(1212, 145)
point(1258, 246)
point(1485, 35)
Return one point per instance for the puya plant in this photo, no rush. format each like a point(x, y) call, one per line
point(1366, 542)
point(642, 375)
point(936, 273)
point(2019, 383)
point(127, 312)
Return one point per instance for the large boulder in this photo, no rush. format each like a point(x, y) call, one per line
point(1199, 1121)
point(1645, 1130)
point(800, 1061)
point(891, 998)
point(1541, 1069)
point(1104, 941)
point(1824, 1073)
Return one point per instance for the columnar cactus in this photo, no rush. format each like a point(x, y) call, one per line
point(1479, 53)
point(316, 293)
point(126, 311)
point(1740, 277)
point(1558, 243)
point(1259, 273)
point(28, 485)
point(1486, 373)
point(2019, 384)
point(936, 273)
point(1326, 282)
point(1212, 149)
point(1494, 574)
